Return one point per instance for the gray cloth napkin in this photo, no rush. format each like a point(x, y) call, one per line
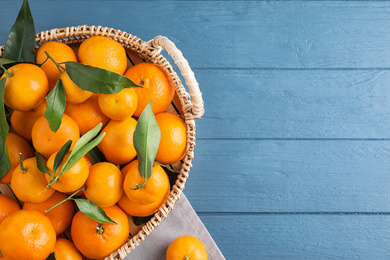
point(181, 221)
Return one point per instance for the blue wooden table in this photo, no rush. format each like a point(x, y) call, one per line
point(293, 154)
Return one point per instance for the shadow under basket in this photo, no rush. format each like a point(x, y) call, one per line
point(189, 105)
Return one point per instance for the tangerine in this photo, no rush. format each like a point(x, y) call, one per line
point(26, 87)
point(65, 250)
point(16, 145)
point(139, 210)
point(27, 234)
point(74, 94)
point(87, 115)
point(104, 184)
point(96, 240)
point(29, 183)
point(104, 53)
point(186, 247)
point(156, 85)
point(7, 206)
point(120, 105)
point(152, 191)
point(71, 180)
point(60, 216)
point(46, 142)
point(173, 140)
point(60, 52)
point(117, 145)
point(22, 121)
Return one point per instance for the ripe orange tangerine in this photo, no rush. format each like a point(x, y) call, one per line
point(60, 52)
point(154, 189)
point(7, 206)
point(87, 114)
point(16, 145)
point(71, 180)
point(46, 142)
point(187, 248)
point(29, 183)
point(117, 145)
point(65, 250)
point(104, 53)
point(61, 216)
point(173, 138)
point(96, 240)
point(26, 88)
point(104, 184)
point(119, 106)
point(156, 85)
point(22, 121)
point(27, 234)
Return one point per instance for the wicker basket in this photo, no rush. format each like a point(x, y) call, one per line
point(189, 104)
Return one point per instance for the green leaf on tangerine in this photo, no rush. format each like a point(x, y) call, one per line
point(146, 140)
point(61, 155)
point(81, 152)
point(5, 164)
point(97, 80)
point(90, 209)
point(56, 102)
point(20, 42)
point(41, 164)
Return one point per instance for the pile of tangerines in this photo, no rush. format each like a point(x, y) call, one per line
point(114, 184)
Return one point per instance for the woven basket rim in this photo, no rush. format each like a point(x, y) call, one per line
point(76, 34)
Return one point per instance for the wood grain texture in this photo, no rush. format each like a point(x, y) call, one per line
point(238, 34)
point(294, 104)
point(290, 176)
point(300, 236)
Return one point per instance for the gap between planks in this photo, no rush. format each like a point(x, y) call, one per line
point(291, 213)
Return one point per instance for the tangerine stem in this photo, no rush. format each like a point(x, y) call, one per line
point(22, 168)
point(58, 65)
point(9, 73)
point(68, 198)
point(139, 186)
point(186, 257)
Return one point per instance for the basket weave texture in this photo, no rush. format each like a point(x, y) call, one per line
point(191, 102)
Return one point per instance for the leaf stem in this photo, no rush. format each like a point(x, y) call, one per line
point(9, 73)
point(59, 67)
point(22, 168)
point(68, 198)
point(139, 186)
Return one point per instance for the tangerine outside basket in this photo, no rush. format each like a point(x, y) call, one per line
point(188, 104)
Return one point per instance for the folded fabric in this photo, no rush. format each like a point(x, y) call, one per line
point(181, 221)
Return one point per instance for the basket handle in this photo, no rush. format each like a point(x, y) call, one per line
point(164, 43)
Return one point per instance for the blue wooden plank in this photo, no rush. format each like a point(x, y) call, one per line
point(238, 34)
point(300, 236)
point(290, 176)
point(294, 104)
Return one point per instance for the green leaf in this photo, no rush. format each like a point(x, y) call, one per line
point(20, 42)
point(81, 152)
point(97, 80)
point(4, 129)
point(146, 141)
point(90, 209)
point(86, 138)
point(96, 155)
point(41, 163)
point(61, 154)
point(56, 102)
point(7, 61)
